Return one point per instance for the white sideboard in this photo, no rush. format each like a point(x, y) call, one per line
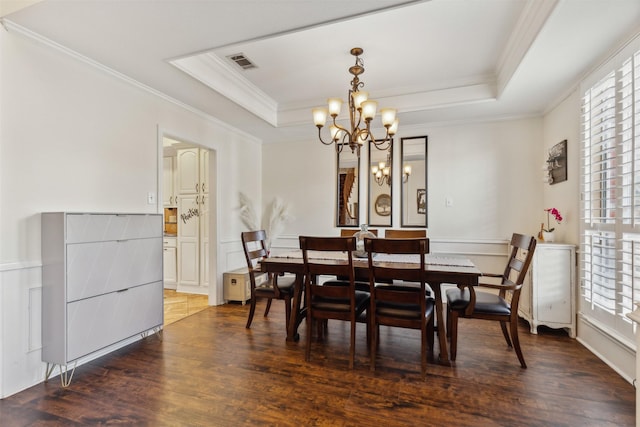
point(548, 295)
point(101, 282)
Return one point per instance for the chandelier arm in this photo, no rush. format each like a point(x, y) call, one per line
point(320, 137)
point(343, 129)
point(384, 144)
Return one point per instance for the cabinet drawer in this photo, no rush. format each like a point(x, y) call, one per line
point(98, 322)
point(103, 267)
point(100, 227)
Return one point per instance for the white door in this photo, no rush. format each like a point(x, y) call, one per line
point(188, 240)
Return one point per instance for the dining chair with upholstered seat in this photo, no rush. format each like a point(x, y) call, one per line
point(468, 303)
point(334, 298)
point(263, 285)
point(404, 234)
point(405, 305)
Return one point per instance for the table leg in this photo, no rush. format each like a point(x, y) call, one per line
point(294, 320)
point(442, 333)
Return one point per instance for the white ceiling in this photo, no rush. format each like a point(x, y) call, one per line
point(436, 61)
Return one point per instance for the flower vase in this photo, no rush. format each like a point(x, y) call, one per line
point(360, 235)
point(548, 236)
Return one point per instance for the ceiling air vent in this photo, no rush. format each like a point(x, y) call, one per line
point(242, 61)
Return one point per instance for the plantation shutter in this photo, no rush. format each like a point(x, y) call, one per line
point(610, 203)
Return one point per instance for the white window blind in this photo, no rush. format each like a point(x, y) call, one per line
point(610, 210)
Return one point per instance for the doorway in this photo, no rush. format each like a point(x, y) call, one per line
point(188, 204)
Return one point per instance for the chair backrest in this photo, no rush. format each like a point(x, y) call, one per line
point(329, 264)
point(405, 234)
point(254, 244)
point(348, 232)
point(522, 249)
point(411, 271)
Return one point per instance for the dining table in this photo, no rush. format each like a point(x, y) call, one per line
point(441, 269)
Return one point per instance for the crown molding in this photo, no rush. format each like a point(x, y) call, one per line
point(529, 25)
point(408, 103)
point(12, 27)
point(217, 74)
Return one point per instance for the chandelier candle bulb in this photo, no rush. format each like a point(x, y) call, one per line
point(369, 108)
point(358, 98)
point(388, 116)
point(334, 132)
point(393, 129)
point(320, 116)
point(335, 105)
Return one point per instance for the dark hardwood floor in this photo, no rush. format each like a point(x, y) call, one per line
point(208, 370)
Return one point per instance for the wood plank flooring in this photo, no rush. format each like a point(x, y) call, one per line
point(208, 370)
point(178, 305)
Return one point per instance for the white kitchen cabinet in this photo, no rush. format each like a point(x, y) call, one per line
point(548, 296)
point(193, 220)
point(204, 218)
point(188, 170)
point(101, 282)
point(169, 186)
point(170, 262)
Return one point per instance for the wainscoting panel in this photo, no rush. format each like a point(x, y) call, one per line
point(21, 309)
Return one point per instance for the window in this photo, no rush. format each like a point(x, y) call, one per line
point(610, 173)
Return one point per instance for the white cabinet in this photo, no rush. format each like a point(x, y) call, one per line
point(188, 171)
point(169, 186)
point(548, 295)
point(204, 218)
point(170, 262)
point(101, 282)
point(193, 220)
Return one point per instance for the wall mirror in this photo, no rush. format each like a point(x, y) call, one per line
point(380, 162)
point(413, 197)
point(348, 190)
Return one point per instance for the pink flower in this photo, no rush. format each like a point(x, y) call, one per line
point(556, 214)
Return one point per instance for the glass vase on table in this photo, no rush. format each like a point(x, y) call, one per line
point(360, 235)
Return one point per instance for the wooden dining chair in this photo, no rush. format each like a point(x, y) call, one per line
point(263, 285)
point(333, 299)
point(400, 305)
point(466, 302)
point(404, 234)
point(348, 232)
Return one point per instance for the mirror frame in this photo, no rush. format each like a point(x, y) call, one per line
point(405, 197)
point(379, 196)
point(344, 150)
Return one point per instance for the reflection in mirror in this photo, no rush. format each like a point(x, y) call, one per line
point(413, 197)
point(348, 191)
point(380, 162)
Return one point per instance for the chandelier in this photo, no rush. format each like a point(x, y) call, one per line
point(361, 111)
point(382, 172)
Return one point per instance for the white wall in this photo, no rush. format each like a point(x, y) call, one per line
point(490, 171)
point(76, 138)
point(563, 122)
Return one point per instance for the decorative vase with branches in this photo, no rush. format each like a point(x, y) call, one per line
point(276, 215)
